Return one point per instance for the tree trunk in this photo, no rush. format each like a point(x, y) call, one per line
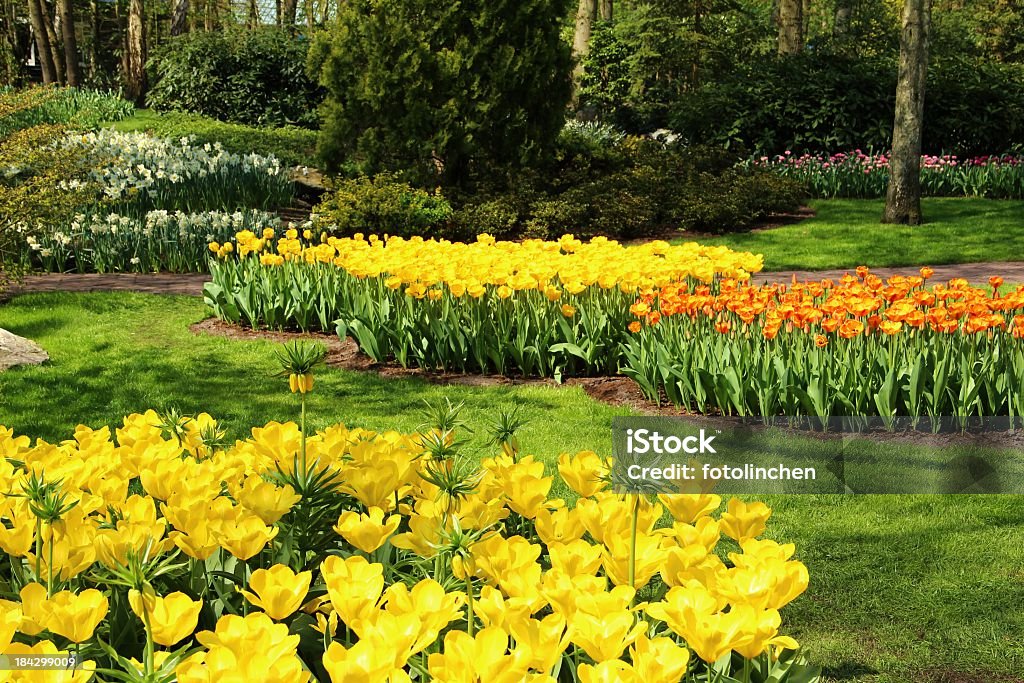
point(903, 198)
point(791, 27)
point(179, 17)
point(51, 33)
point(289, 8)
point(135, 53)
point(841, 24)
point(585, 15)
point(607, 10)
point(94, 38)
point(67, 29)
point(43, 50)
point(254, 15)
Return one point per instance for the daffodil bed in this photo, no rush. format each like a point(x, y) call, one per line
point(544, 308)
point(158, 553)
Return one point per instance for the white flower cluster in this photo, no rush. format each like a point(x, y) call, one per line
point(125, 163)
point(160, 240)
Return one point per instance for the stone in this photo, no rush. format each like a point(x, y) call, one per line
point(15, 350)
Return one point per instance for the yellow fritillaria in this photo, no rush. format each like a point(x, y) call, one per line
point(367, 531)
point(171, 618)
point(278, 591)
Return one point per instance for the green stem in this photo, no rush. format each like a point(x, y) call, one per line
point(632, 542)
point(149, 635)
point(39, 548)
point(469, 604)
point(302, 437)
point(49, 565)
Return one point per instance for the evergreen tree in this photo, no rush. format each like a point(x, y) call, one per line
point(439, 90)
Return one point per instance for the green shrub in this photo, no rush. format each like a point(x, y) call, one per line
point(442, 90)
point(253, 77)
point(294, 146)
point(382, 205)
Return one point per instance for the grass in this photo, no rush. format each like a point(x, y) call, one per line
point(847, 233)
point(294, 146)
point(903, 588)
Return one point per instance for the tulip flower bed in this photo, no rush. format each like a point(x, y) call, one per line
point(536, 308)
point(862, 346)
point(160, 553)
point(866, 176)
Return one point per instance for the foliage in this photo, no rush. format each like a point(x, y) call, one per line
point(158, 241)
point(34, 192)
point(381, 205)
point(255, 77)
point(293, 145)
point(859, 175)
point(78, 109)
point(535, 308)
point(817, 102)
point(630, 187)
point(863, 346)
point(295, 555)
point(439, 90)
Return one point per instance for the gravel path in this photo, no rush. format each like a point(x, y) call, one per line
point(192, 284)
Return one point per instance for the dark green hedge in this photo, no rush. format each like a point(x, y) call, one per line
point(252, 77)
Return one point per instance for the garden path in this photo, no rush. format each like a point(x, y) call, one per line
point(191, 284)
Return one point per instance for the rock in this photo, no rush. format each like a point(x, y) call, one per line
point(15, 350)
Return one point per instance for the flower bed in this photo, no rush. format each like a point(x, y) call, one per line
point(536, 308)
point(862, 346)
point(858, 175)
point(158, 553)
point(159, 241)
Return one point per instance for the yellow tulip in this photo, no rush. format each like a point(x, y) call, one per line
point(171, 618)
point(606, 636)
point(10, 621)
point(75, 616)
point(584, 473)
point(428, 600)
point(246, 537)
point(250, 648)
point(354, 586)
point(745, 521)
point(543, 640)
point(659, 660)
point(575, 558)
point(483, 658)
point(689, 507)
point(362, 663)
point(611, 671)
point(278, 591)
point(83, 672)
point(265, 500)
point(367, 531)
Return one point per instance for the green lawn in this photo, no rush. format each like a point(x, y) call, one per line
point(903, 588)
point(847, 233)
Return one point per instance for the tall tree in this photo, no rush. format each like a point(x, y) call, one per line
point(903, 198)
point(135, 52)
point(43, 50)
point(841, 18)
point(55, 50)
point(289, 8)
point(586, 12)
point(607, 10)
point(791, 26)
point(67, 29)
point(179, 17)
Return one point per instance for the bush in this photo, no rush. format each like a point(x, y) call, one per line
point(442, 89)
point(815, 102)
point(292, 145)
point(382, 205)
point(252, 77)
point(619, 188)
